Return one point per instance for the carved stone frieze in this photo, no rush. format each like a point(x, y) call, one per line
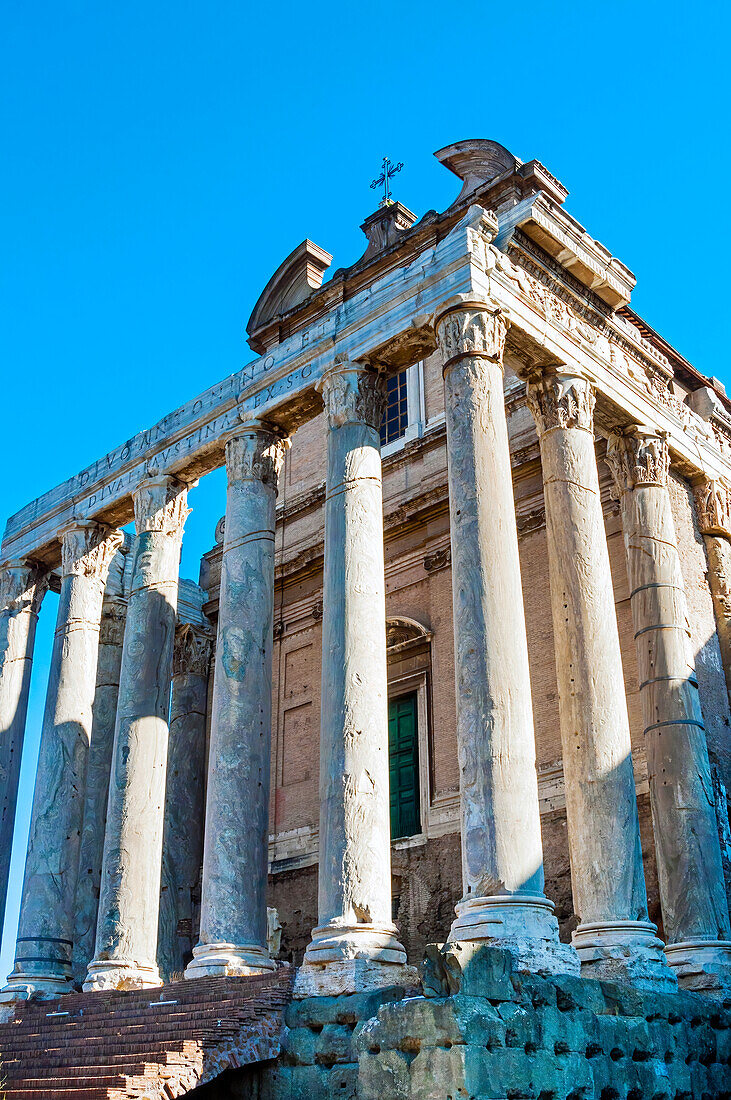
point(713, 502)
point(438, 559)
point(477, 330)
point(353, 394)
point(87, 549)
point(257, 452)
point(22, 587)
point(160, 504)
point(561, 401)
point(530, 521)
point(637, 456)
point(192, 650)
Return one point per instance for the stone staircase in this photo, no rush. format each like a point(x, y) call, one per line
point(142, 1043)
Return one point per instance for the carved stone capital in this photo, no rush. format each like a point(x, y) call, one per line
point(192, 650)
point(561, 401)
point(160, 504)
point(713, 502)
point(87, 549)
point(22, 587)
point(353, 394)
point(256, 451)
point(472, 329)
point(112, 622)
point(638, 456)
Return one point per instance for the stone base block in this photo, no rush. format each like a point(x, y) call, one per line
point(702, 965)
point(624, 950)
point(120, 974)
point(228, 960)
point(334, 942)
point(21, 987)
point(522, 924)
point(352, 976)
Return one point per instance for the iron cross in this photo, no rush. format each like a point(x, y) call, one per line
point(388, 171)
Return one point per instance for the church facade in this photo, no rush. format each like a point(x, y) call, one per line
point(426, 777)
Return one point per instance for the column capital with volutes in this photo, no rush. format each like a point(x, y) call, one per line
point(467, 327)
point(560, 398)
point(638, 457)
point(160, 504)
point(255, 450)
point(22, 586)
point(87, 549)
point(353, 392)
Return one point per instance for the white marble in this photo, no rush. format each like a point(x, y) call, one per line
point(126, 935)
point(45, 932)
point(233, 935)
point(502, 856)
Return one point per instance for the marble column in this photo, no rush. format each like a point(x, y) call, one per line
point(45, 933)
point(692, 894)
point(614, 939)
point(502, 856)
point(22, 586)
point(126, 933)
point(355, 944)
point(182, 843)
point(713, 505)
point(104, 713)
point(233, 936)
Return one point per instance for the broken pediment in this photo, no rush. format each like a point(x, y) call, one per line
point(294, 280)
point(479, 162)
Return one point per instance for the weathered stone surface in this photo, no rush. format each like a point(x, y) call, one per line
point(45, 931)
point(21, 591)
point(355, 944)
point(502, 858)
point(182, 844)
point(126, 935)
point(686, 837)
point(233, 937)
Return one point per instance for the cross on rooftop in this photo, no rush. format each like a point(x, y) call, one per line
point(389, 170)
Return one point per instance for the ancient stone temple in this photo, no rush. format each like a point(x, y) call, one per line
point(420, 791)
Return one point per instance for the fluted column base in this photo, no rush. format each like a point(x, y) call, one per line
point(625, 951)
point(120, 974)
point(353, 958)
point(701, 965)
point(522, 924)
point(226, 960)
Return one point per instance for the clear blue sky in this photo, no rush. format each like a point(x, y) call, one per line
point(161, 159)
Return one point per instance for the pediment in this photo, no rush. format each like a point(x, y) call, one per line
point(294, 281)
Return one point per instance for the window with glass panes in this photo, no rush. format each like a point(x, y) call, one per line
point(396, 417)
point(403, 766)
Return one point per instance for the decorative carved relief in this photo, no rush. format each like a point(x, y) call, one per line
point(353, 394)
point(87, 550)
point(256, 453)
point(160, 504)
point(530, 521)
point(317, 611)
point(472, 330)
point(22, 587)
point(638, 456)
point(439, 559)
point(561, 401)
point(192, 650)
point(713, 501)
point(220, 531)
point(111, 625)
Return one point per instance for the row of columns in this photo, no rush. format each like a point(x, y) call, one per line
point(355, 944)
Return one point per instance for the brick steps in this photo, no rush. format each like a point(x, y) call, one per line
point(96, 1046)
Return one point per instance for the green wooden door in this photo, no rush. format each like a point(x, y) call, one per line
point(403, 758)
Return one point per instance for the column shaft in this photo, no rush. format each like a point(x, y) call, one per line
point(695, 913)
point(126, 934)
point(713, 504)
point(21, 590)
point(502, 857)
point(355, 944)
point(614, 939)
point(104, 714)
point(45, 933)
point(182, 844)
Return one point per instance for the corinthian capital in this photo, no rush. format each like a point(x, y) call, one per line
point(713, 502)
point(472, 329)
point(87, 549)
point(638, 456)
point(161, 505)
point(353, 394)
point(561, 401)
point(192, 651)
point(22, 587)
point(256, 451)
